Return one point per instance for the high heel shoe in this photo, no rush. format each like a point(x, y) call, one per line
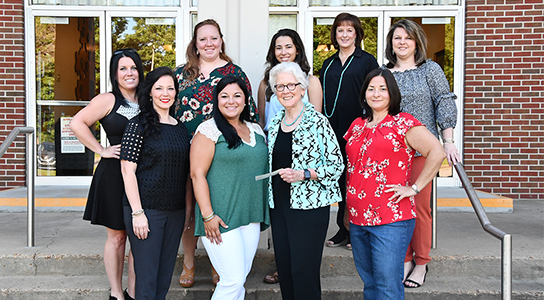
point(415, 283)
point(187, 280)
point(127, 296)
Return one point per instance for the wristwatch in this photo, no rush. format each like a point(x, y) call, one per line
point(307, 174)
point(414, 187)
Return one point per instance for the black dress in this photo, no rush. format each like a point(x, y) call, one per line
point(105, 200)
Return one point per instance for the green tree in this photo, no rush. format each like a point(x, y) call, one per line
point(155, 43)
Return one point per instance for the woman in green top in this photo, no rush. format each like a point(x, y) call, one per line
point(227, 152)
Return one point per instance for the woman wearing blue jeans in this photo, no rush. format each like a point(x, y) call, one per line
point(380, 204)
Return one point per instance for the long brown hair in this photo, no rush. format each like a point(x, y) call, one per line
point(191, 69)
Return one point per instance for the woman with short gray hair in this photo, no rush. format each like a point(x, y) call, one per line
point(302, 146)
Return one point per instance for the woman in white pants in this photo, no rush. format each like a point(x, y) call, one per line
point(227, 152)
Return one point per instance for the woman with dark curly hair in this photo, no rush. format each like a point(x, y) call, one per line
point(154, 161)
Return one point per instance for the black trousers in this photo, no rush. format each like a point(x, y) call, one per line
point(299, 237)
point(342, 231)
point(155, 257)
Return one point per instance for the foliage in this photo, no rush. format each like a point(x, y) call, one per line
point(322, 35)
point(155, 43)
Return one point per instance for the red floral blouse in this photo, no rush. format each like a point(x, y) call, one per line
point(378, 156)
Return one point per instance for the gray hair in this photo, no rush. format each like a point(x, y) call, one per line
point(289, 68)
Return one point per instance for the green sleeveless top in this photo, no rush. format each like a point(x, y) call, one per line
point(235, 195)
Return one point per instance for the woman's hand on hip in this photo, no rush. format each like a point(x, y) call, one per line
point(452, 155)
point(111, 152)
point(289, 175)
point(399, 192)
point(212, 229)
point(140, 226)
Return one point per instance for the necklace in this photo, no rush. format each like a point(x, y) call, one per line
point(303, 108)
point(337, 91)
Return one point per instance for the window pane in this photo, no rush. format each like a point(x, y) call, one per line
point(109, 2)
point(154, 38)
point(381, 2)
point(283, 2)
point(277, 22)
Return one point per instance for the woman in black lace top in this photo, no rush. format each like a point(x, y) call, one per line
point(154, 163)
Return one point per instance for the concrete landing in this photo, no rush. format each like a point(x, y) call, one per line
point(73, 198)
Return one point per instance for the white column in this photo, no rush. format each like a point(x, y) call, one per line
point(244, 24)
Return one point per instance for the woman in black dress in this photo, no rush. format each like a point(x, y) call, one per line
point(104, 203)
point(155, 166)
point(342, 77)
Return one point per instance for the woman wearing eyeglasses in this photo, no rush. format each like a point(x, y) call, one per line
point(104, 204)
point(303, 147)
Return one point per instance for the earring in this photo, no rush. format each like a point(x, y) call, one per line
point(393, 52)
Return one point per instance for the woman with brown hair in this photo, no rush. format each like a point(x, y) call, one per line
point(342, 76)
point(426, 95)
point(207, 63)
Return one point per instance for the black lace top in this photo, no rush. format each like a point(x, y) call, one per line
point(163, 164)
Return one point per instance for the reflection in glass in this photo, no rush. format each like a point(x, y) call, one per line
point(154, 38)
point(67, 69)
point(57, 153)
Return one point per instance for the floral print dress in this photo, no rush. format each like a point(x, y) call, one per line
point(378, 156)
point(195, 98)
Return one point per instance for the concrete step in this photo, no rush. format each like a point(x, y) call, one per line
point(91, 287)
point(332, 266)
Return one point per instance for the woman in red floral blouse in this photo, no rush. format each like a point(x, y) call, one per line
point(380, 203)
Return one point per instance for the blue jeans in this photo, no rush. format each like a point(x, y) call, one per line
point(378, 252)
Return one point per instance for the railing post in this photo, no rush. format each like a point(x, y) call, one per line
point(506, 267)
point(434, 196)
point(30, 159)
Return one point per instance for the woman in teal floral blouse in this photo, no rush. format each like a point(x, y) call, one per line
point(207, 63)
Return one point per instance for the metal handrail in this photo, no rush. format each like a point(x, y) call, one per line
point(30, 158)
point(506, 239)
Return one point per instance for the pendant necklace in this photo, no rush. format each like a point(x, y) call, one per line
point(303, 108)
point(337, 91)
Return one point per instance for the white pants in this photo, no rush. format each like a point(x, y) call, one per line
point(232, 259)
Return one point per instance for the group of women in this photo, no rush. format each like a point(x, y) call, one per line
point(194, 134)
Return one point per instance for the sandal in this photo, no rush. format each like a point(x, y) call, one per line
point(338, 240)
point(271, 278)
point(187, 280)
point(412, 284)
point(215, 276)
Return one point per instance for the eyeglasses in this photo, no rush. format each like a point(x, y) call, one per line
point(121, 51)
point(289, 86)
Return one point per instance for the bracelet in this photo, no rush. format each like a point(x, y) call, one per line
point(208, 218)
point(449, 141)
point(137, 213)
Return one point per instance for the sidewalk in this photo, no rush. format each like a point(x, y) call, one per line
point(459, 234)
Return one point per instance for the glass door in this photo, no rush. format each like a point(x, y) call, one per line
point(441, 29)
point(71, 60)
point(67, 73)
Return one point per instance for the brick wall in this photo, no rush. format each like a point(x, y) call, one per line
point(12, 91)
point(504, 97)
